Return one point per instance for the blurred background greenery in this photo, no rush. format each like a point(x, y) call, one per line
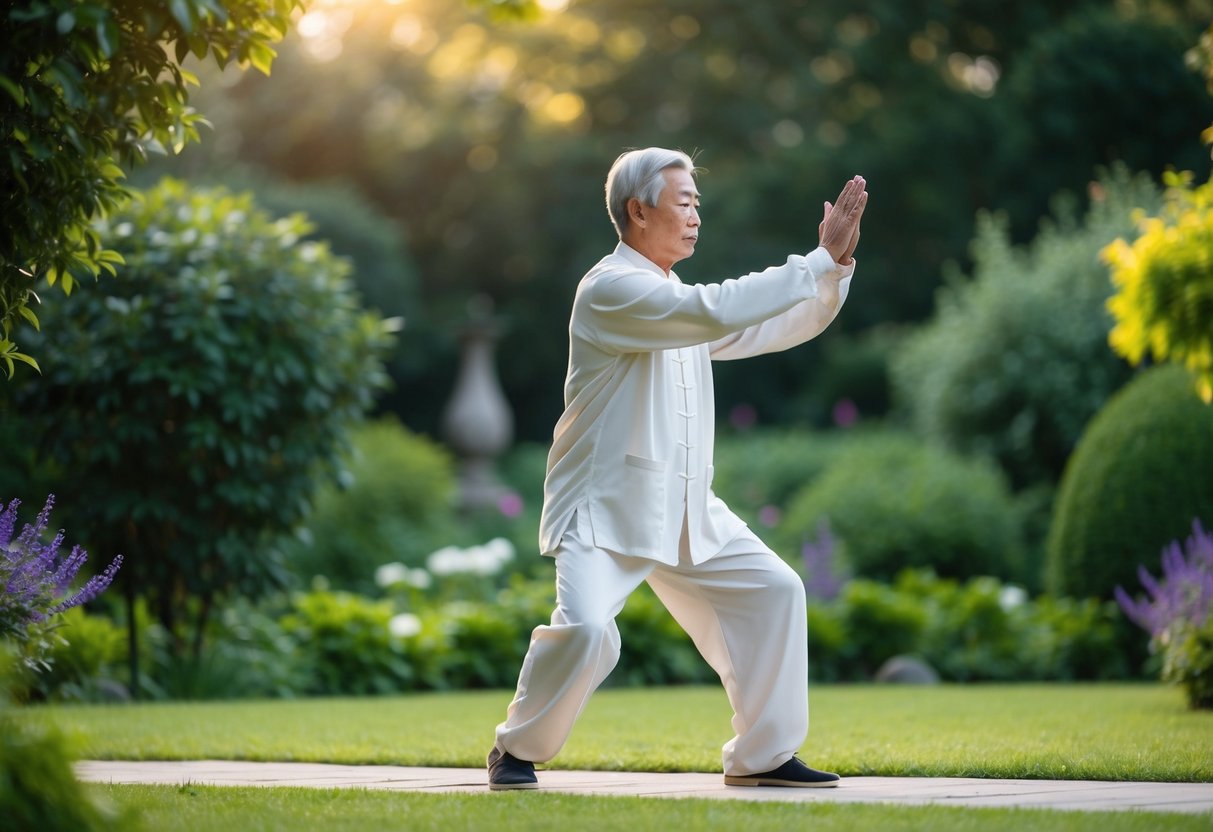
point(440, 152)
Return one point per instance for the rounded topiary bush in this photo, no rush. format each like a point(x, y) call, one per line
point(894, 502)
point(1140, 474)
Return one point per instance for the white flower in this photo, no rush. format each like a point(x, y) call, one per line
point(418, 579)
point(391, 574)
point(404, 625)
point(480, 560)
point(1011, 597)
point(446, 561)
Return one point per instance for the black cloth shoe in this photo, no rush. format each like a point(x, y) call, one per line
point(508, 772)
point(793, 773)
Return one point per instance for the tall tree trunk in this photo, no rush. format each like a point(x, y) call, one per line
point(204, 615)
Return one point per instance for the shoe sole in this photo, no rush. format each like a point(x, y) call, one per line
point(767, 781)
point(505, 787)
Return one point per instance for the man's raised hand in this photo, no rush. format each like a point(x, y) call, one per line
point(839, 229)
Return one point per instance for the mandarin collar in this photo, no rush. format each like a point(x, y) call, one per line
point(639, 260)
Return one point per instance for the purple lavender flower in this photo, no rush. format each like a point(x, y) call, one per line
point(33, 578)
point(1185, 593)
point(821, 581)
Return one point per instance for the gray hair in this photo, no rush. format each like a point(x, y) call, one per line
point(638, 173)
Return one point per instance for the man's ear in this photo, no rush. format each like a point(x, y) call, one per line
point(636, 211)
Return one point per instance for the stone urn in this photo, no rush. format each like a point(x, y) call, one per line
point(477, 422)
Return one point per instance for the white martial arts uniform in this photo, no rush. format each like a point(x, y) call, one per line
point(628, 498)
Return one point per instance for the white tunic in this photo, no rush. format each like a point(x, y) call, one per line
point(634, 446)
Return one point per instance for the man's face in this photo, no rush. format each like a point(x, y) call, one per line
point(672, 227)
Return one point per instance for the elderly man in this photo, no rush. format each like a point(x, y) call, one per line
point(628, 495)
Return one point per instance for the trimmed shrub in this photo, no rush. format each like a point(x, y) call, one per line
point(894, 502)
point(1140, 475)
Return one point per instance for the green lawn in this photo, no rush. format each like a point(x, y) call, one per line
point(1102, 732)
point(202, 809)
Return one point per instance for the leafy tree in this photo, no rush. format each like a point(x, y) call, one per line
point(88, 87)
point(185, 414)
point(85, 87)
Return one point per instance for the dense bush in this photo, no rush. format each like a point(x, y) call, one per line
point(894, 502)
point(347, 645)
point(187, 413)
point(394, 502)
point(1015, 362)
point(978, 630)
point(1139, 476)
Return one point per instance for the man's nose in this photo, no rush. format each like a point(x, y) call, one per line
point(694, 219)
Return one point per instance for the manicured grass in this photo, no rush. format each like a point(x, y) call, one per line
point(203, 808)
point(1099, 732)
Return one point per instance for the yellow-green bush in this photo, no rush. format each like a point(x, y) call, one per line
point(1163, 305)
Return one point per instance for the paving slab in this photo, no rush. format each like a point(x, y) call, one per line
point(1087, 795)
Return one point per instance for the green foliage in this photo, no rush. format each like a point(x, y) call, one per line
point(86, 87)
point(394, 502)
point(1188, 662)
point(346, 644)
point(1164, 279)
point(655, 650)
point(879, 623)
point(327, 643)
point(767, 467)
point(383, 269)
point(187, 414)
point(1015, 361)
point(1077, 85)
point(86, 660)
point(1138, 477)
point(38, 789)
point(976, 630)
point(894, 502)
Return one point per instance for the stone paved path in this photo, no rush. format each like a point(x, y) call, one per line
point(953, 791)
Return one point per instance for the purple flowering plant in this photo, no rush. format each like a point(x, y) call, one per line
point(1177, 612)
point(822, 582)
point(36, 580)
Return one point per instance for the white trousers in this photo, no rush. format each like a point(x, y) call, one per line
point(744, 609)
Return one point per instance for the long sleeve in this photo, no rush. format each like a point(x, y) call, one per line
point(802, 322)
point(634, 309)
